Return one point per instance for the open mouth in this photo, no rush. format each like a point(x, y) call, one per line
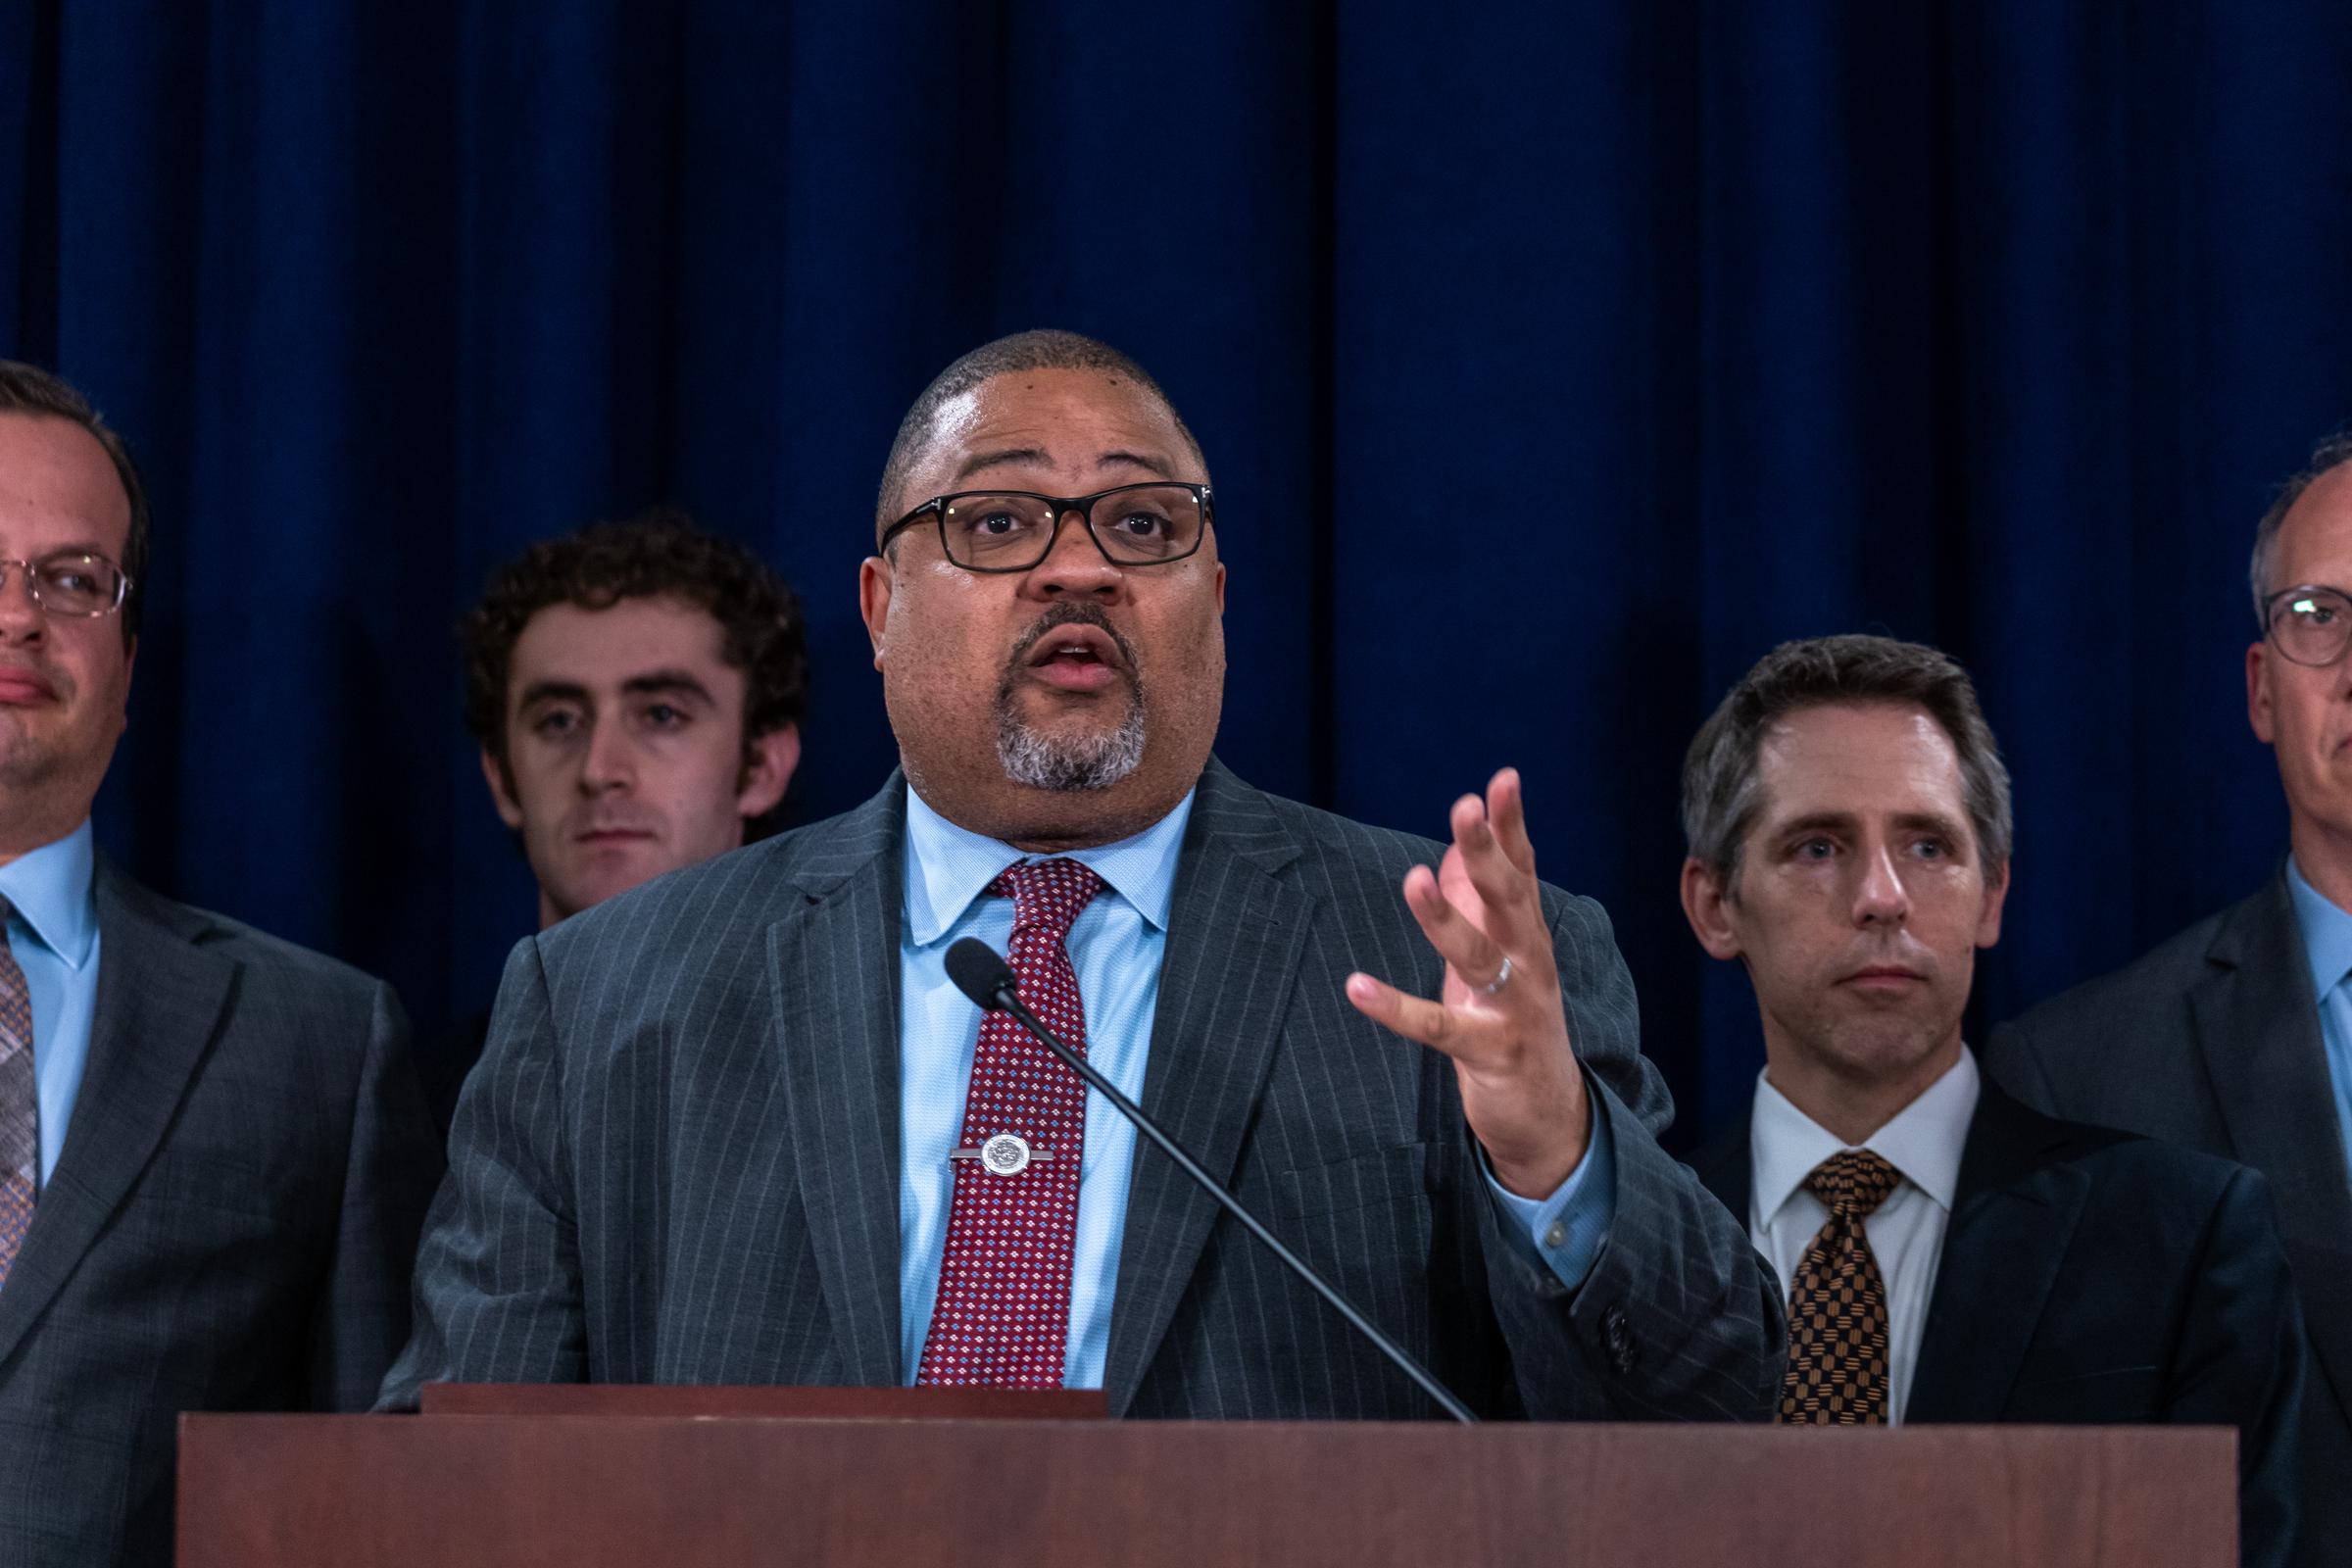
point(1076, 658)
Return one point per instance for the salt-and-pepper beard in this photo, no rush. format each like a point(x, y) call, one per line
point(1068, 763)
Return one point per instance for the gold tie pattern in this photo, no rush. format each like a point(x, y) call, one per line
point(19, 1105)
point(1838, 1370)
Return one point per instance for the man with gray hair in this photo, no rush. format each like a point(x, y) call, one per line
point(2235, 1035)
point(740, 1125)
point(1949, 1255)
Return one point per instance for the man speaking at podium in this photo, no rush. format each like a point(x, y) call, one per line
point(738, 1126)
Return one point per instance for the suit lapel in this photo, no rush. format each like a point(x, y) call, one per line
point(2014, 1213)
point(833, 966)
point(1236, 930)
point(2258, 1025)
point(160, 1001)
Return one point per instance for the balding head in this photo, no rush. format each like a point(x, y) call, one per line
point(2331, 452)
point(1042, 349)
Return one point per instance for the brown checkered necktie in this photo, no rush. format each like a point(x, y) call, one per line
point(19, 1105)
point(1838, 1369)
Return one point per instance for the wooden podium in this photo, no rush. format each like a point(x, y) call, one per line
point(627, 1478)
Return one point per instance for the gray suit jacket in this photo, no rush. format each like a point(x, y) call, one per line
point(678, 1161)
point(2212, 1041)
point(231, 1225)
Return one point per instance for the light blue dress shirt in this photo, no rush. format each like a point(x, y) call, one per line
point(1116, 946)
point(2327, 945)
point(53, 932)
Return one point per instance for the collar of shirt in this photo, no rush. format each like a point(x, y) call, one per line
point(1923, 1141)
point(2327, 932)
point(53, 889)
point(949, 866)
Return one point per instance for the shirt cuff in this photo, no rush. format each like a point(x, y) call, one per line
point(1565, 1231)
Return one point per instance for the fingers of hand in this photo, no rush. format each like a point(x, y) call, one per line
point(1506, 812)
point(1414, 1017)
point(1451, 931)
point(1506, 894)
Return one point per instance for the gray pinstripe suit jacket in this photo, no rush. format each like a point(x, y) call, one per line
point(231, 1225)
point(679, 1160)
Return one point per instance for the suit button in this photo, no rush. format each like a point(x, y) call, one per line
point(1623, 1352)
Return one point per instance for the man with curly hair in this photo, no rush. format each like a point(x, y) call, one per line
point(636, 689)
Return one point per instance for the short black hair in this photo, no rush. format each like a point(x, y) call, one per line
point(30, 389)
point(657, 553)
point(1041, 349)
point(1720, 793)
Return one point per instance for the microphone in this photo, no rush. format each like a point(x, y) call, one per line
point(981, 973)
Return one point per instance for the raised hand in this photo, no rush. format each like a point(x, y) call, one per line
point(1499, 1015)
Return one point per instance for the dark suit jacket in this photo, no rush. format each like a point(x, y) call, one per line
point(443, 1063)
point(2090, 1277)
point(231, 1225)
point(2212, 1042)
point(678, 1161)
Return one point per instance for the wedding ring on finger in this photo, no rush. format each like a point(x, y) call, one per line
point(1502, 976)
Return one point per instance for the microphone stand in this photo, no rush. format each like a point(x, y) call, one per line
point(992, 988)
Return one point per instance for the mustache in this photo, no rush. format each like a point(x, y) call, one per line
point(1069, 613)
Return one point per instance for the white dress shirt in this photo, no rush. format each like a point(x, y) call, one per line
point(1923, 1143)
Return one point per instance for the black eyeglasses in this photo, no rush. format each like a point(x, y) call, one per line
point(1014, 530)
point(70, 582)
point(2309, 626)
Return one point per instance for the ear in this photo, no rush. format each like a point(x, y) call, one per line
point(1997, 889)
point(874, 587)
point(2258, 694)
point(768, 769)
point(130, 666)
point(510, 810)
point(1220, 587)
point(1708, 907)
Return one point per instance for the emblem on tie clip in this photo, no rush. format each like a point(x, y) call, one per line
point(1005, 1154)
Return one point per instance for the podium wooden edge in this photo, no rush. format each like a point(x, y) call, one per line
point(927, 1403)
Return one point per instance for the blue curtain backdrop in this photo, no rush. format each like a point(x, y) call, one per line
point(1554, 362)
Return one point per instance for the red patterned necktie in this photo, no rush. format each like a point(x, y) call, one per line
point(19, 1106)
point(1002, 1317)
point(1838, 1368)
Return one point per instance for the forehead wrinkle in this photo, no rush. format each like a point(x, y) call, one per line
point(981, 462)
point(1826, 748)
point(2314, 546)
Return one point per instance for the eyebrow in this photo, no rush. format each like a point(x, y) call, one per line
point(674, 682)
point(1846, 821)
point(550, 691)
point(86, 548)
point(979, 462)
point(653, 682)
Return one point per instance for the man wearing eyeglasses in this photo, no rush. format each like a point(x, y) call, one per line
point(739, 1126)
point(2235, 1035)
point(214, 1156)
